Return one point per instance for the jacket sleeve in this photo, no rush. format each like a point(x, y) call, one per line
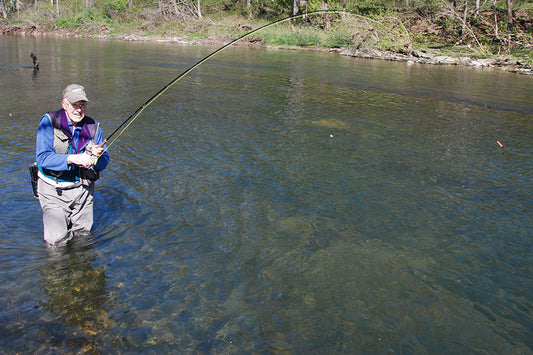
point(45, 153)
point(104, 158)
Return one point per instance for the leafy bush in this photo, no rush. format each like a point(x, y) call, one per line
point(291, 38)
point(111, 9)
point(71, 22)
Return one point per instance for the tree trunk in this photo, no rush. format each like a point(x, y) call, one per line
point(3, 6)
point(327, 23)
point(496, 31)
point(509, 14)
point(465, 13)
point(176, 10)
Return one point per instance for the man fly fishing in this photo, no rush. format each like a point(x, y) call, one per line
point(70, 153)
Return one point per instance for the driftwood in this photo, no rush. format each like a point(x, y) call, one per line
point(35, 60)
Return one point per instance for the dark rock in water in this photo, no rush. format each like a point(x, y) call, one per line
point(185, 316)
point(204, 347)
point(140, 335)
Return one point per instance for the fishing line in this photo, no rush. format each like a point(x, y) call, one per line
point(127, 122)
point(488, 132)
point(480, 125)
point(484, 128)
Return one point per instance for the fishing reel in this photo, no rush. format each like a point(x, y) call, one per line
point(89, 150)
point(90, 174)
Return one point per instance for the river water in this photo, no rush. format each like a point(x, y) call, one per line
point(273, 201)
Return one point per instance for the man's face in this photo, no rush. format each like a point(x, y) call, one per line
point(75, 111)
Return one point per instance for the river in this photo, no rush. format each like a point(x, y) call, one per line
point(273, 201)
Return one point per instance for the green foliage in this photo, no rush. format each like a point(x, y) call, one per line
point(47, 7)
point(339, 40)
point(112, 8)
point(370, 7)
point(281, 7)
point(291, 38)
point(68, 22)
point(303, 35)
point(80, 20)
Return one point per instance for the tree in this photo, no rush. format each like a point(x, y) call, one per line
point(3, 8)
point(509, 14)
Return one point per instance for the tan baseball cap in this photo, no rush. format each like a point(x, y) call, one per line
point(74, 93)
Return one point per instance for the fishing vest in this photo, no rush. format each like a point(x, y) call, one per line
point(63, 145)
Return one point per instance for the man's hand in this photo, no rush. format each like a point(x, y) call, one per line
point(80, 159)
point(98, 149)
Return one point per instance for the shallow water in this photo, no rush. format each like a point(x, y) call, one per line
point(274, 202)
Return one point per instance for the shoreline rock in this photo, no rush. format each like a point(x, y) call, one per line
point(420, 57)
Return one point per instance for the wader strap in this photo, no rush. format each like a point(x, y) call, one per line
point(34, 171)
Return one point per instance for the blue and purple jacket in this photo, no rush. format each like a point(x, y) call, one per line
point(57, 137)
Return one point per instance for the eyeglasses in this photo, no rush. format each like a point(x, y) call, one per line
point(78, 105)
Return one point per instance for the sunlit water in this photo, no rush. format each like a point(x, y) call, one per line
point(273, 202)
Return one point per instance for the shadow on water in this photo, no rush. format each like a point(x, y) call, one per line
point(18, 66)
point(35, 71)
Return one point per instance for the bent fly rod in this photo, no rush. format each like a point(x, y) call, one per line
point(127, 122)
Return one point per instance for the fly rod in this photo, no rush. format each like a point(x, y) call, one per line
point(127, 122)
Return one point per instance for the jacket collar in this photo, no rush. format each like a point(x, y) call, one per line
point(84, 135)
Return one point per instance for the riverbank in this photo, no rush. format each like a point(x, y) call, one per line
point(423, 57)
point(430, 57)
